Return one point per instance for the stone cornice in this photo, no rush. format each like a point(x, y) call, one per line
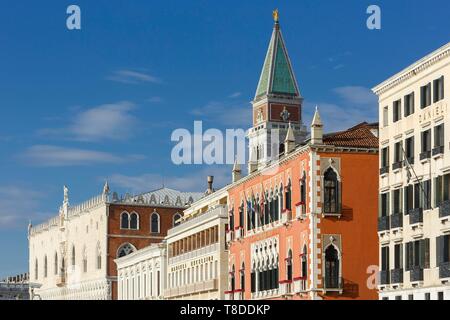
point(413, 70)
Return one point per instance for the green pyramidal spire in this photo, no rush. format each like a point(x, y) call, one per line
point(277, 76)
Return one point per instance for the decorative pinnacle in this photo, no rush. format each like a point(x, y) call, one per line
point(275, 15)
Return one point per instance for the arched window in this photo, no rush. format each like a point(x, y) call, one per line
point(124, 220)
point(231, 219)
point(303, 189)
point(241, 215)
point(289, 266)
point(176, 219)
point(281, 149)
point(331, 268)
point(304, 261)
point(154, 222)
point(242, 277)
point(55, 263)
point(280, 199)
point(99, 257)
point(84, 259)
point(45, 266)
point(63, 265)
point(134, 221)
point(266, 209)
point(125, 249)
point(232, 280)
point(331, 192)
point(73, 255)
point(288, 196)
point(36, 269)
point(276, 206)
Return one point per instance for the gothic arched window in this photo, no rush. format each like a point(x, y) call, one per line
point(154, 222)
point(134, 221)
point(99, 256)
point(125, 249)
point(303, 189)
point(331, 192)
point(73, 255)
point(332, 268)
point(288, 196)
point(232, 280)
point(84, 259)
point(124, 220)
point(304, 262)
point(289, 266)
point(55, 263)
point(45, 266)
point(36, 269)
point(242, 277)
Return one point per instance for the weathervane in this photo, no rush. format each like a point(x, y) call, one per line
point(275, 15)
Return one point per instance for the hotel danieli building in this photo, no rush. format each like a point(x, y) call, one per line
point(414, 209)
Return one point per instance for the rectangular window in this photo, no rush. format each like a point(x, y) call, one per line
point(440, 295)
point(398, 153)
point(427, 296)
point(425, 96)
point(398, 298)
point(427, 195)
point(385, 157)
point(426, 145)
point(397, 201)
point(409, 104)
point(384, 210)
point(417, 196)
point(409, 150)
point(398, 256)
point(418, 254)
point(439, 136)
point(385, 116)
point(397, 109)
point(438, 89)
point(384, 258)
point(409, 198)
point(411, 297)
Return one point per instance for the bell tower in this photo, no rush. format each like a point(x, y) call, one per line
point(277, 105)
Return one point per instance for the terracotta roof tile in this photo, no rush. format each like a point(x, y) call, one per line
point(359, 136)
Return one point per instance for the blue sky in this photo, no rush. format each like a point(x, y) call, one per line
point(79, 107)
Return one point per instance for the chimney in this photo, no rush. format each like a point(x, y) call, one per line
point(236, 173)
point(316, 129)
point(210, 189)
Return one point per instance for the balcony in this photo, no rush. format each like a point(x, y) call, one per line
point(286, 217)
point(229, 236)
point(416, 274)
point(444, 209)
point(384, 170)
point(396, 220)
point(239, 232)
point(438, 150)
point(396, 276)
point(397, 165)
point(425, 155)
point(300, 211)
point(384, 277)
point(383, 223)
point(444, 270)
point(408, 160)
point(416, 216)
point(286, 287)
point(300, 284)
point(212, 248)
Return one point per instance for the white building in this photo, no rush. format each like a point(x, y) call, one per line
point(197, 254)
point(414, 222)
point(142, 274)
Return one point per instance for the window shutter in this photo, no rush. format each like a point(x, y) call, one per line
point(439, 250)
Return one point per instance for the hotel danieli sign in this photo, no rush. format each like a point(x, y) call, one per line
point(434, 112)
point(193, 263)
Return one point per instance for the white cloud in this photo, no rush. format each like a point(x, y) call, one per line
point(357, 95)
point(132, 77)
point(54, 156)
point(235, 95)
point(231, 115)
point(18, 205)
point(194, 181)
point(109, 121)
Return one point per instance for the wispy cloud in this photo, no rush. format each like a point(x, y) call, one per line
point(354, 104)
point(19, 204)
point(108, 121)
point(193, 181)
point(232, 115)
point(133, 77)
point(54, 156)
point(235, 95)
point(357, 95)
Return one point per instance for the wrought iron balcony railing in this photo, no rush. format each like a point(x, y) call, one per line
point(397, 165)
point(416, 274)
point(396, 220)
point(384, 170)
point(444, 209)
point(384, 277)
point(396, 276)
point(438, 150)
point(383, 223)
point(425, 155)
point(444, 270)
point(416, 216)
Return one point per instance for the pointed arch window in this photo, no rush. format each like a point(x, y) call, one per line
point(55, 263)
point(241, 215)
point(84, 260)
point(289, 266)
point(331, 192)
point(125, 249)
point(288, 196)
point(232, 279)
point(45, 266)
point(155, 225)
point(303, 189)
point(231, 217)
point(124, 220)
point(73, 255)
point(332, 266)
point(176, 219)
point(242, 271)
point(280, 198)
point(304, 262)
point(134, 221)
point(99, 257)
point(36, 269)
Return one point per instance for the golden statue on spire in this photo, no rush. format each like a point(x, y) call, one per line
point(275, 15)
